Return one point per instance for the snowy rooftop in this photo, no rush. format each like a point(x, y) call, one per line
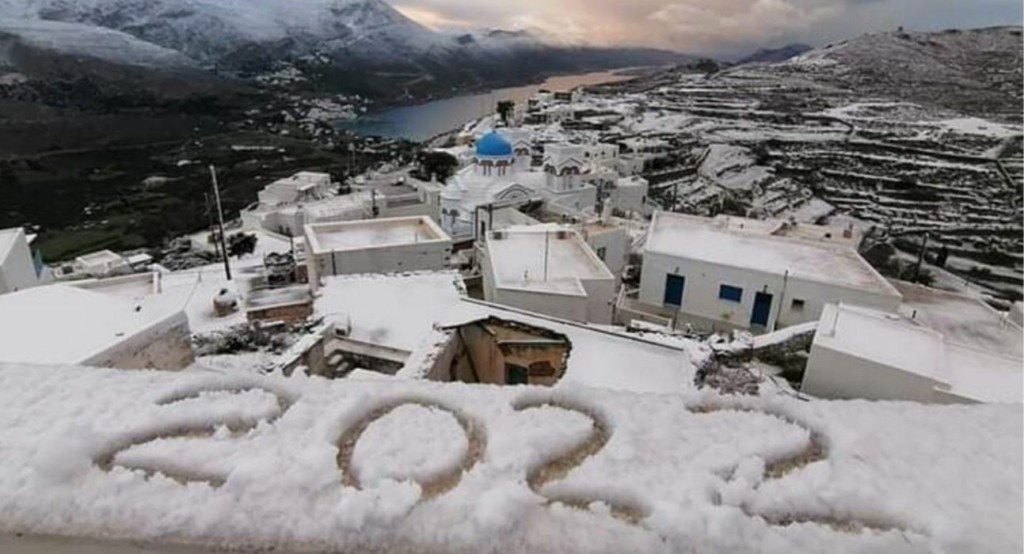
point(190, 290)
point(707, 240)
point(270, 298)
point(7, 238)
point(59, 324)
point(100, 257)
point(315, 465)
point(895, 341)
point(395, 311)
point(543, 258)
point(598, 358)
point(961, 319)
point(373, 233)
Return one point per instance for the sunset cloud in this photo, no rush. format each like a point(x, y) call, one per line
point(713, 27)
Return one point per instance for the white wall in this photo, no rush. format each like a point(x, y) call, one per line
point(833, 374)
point(572, 308)
point(616, 248)
point(166, 345)
point(17, 271)
point(630, 195)
point(595, 307)
point(703, 280)
point(427, 256)
point(600, 300)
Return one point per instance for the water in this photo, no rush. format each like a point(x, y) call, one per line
point(424, 121)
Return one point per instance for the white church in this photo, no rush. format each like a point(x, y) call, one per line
point(500, 174)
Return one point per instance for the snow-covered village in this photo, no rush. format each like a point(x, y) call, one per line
point(702, 304)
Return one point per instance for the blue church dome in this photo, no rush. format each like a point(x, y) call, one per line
point(493, 145)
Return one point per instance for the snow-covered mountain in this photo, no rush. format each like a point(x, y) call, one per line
point(363, 46)
point(19, 38)
point(212, 31)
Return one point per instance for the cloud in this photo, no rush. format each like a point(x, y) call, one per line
point(711, 27)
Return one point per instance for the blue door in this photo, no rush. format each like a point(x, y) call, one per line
point(674, 285)
point(762, 309)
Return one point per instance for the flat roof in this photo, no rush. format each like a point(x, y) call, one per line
point(708, 240)
point(100, 256)
point(373, 233)
point(910, 346)
point(543, 258)
point(60, 324)
point(395, 311)
point(885, 338)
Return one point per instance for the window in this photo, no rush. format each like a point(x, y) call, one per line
point(730, 293)
point(516, 375)
point(601, 252)
point(798, 305)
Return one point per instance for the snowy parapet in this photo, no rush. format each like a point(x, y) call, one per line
point(523, 469)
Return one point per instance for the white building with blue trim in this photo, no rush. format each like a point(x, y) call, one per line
point(726, 273)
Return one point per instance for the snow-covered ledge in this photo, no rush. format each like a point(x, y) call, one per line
point(250, 462)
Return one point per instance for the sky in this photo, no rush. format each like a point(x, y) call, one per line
point(722, 28)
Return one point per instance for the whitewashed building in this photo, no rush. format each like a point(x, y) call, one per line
point(376, 246)
point(104, 263)
point(609, 240)
point(17, 270)
point(500, 174)
point(62, 324)
point(303, 186)
point(549, 270)
point(727, 273)
point(629, 194)
point(863, 353)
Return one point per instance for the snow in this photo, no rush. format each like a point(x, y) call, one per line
point(783, 335)
point(961, 319)
point(733, 167)
point(191, 290)
point(882, 338)
point(374, 233)
point(64, 324)
point(395, 311)
point(811, 211)
point(386, 451)
point(695, 238)
point(534, 258)
point(978, 126)
point(892, 341)
point(598, 358)
point(78, 40)
point(696, 472)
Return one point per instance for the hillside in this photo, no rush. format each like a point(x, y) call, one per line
point(770, 55)
point(976, 72)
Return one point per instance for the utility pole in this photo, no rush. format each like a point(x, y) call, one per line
point(547, 251)
point(209, 222)
point(220, 223)
point(920, 257)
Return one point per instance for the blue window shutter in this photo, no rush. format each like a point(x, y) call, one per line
point(731, 293)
